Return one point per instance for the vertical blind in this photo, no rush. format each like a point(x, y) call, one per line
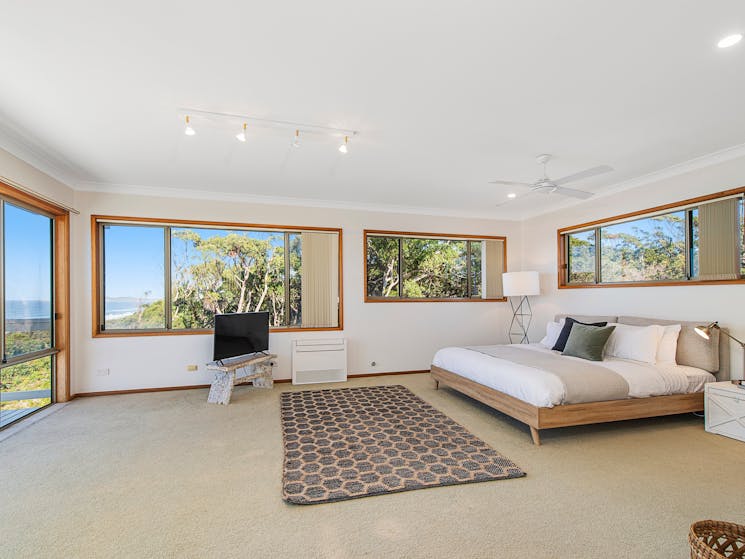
point(719, 240)
point(491, 279)
point(320, 280)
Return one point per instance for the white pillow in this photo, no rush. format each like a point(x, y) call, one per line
point(553, 329)
point(638, 343)
point(668, 346)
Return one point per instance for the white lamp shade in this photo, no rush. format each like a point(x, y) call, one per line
point(519, 284)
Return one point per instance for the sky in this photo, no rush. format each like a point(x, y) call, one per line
point(28, 255)
point(134, 258)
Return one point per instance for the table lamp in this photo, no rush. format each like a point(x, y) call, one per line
point(518, 286)
point(704, 332)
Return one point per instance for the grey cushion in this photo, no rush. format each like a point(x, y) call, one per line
point(693, 350)
point(587, 342)
point(587, 318)
point(561, 341)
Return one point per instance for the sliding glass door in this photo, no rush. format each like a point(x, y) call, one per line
point(27, 307)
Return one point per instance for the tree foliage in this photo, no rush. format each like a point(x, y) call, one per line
point(653, 249)
point(432, 268)
point(225, 273)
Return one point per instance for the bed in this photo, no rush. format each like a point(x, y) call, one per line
point(532, 390)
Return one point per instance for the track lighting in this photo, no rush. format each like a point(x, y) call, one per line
point(227, 122)
point(241, 136)
point(189, 131)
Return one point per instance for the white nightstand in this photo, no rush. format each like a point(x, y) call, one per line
point(724, 406)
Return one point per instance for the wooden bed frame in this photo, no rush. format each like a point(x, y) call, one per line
point(569, 414)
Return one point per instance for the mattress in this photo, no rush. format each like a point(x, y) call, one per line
point(544, 389)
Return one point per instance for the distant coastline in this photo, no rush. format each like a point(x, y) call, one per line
point(38, 312)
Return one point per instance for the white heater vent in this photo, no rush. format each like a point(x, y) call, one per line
point(316, 361)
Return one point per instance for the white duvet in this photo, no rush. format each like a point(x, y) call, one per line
point(544, 389)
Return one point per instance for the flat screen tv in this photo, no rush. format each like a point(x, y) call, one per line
point(240, 334)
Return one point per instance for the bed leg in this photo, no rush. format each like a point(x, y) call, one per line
point(536, 434)
point(437, 385)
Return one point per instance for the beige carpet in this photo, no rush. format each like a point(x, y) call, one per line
point(167, 475)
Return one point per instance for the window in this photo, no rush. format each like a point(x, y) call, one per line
point(694, 241)
point(431, 267)
point(171, 277)
point(32, 330)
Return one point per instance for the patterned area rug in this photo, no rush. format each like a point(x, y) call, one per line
point(356, 442)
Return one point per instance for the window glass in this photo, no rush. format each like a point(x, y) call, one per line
point(217, 271)
point(476, 279)
point(27, 239)
point(26, 387)
point(581, 257)
point(434, 268)
point(649, 249)
point(296, 269)
point(382, 267)
point(134, 277)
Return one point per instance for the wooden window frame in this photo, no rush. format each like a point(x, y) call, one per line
point(96, 267)
point(61, 277)
point(563, 261)
point(418, 235)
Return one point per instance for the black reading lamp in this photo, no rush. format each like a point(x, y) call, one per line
point(705, 332)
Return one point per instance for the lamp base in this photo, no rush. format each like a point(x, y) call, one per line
point(522, 316)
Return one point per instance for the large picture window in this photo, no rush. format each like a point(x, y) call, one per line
point(432, 267)
point(34, 300)
point(173, 277)
point(694, 241)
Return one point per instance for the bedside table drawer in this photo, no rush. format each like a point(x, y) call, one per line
point(725, 414)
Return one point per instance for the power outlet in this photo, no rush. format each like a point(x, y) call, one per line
point(192, 368)
point(103, 372)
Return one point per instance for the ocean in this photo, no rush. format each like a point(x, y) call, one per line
point(35, 309)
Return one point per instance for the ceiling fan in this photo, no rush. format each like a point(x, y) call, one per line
point(545, 185)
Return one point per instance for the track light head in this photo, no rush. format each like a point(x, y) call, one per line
point(188, 130)
point(241, 136)
point(296, 139)
point(343, 148)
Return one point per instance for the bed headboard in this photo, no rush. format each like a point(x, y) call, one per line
point(711, 355)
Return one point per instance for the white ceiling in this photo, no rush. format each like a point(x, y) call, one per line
point(446, 95)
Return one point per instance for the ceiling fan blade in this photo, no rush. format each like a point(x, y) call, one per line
point(586, 174)
point(571, 192)
point(510, 183)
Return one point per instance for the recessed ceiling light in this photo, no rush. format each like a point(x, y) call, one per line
point(512, 195)
point(730, 40)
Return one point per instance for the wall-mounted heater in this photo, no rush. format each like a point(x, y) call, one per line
point(316, 361)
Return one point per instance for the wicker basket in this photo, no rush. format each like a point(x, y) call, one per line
point(714, 539)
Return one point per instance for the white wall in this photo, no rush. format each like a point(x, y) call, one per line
point(399, 337)
point(724, 303)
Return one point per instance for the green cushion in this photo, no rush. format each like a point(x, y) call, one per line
point(587, 342)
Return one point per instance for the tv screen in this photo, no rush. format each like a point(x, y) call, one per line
point(240, 334)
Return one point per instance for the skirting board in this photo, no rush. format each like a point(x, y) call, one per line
point(195, 386)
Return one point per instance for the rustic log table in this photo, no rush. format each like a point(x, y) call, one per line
point(256, 369)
